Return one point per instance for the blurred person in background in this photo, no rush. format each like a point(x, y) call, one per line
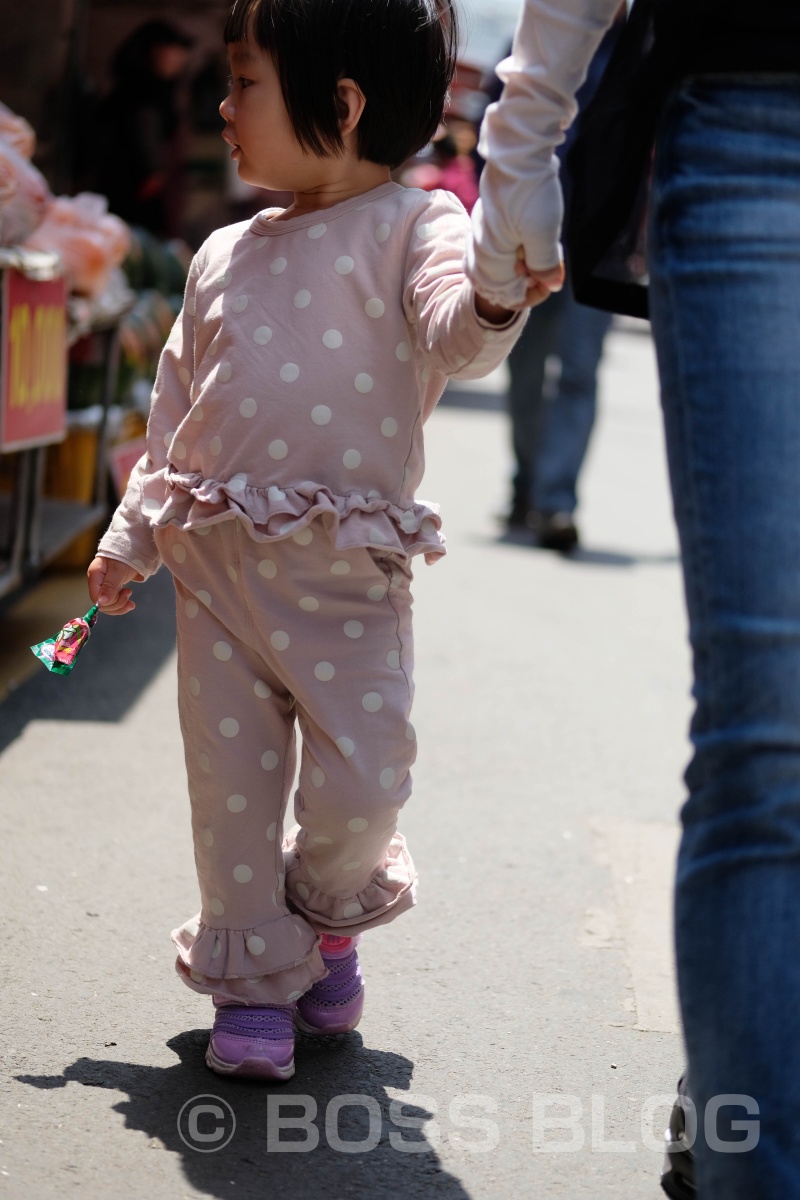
point(448, 163)
point(724, 263)
point(552, 419)
point(139, 167)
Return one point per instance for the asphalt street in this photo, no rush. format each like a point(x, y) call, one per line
point(520, 1035)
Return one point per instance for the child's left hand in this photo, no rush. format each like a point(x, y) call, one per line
point(107, 579)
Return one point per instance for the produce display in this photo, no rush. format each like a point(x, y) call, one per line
point(24, 194)
point(124, 289)
point(87, 238)
point(17, 132)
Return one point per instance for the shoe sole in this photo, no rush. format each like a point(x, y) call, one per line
point(329, 1031)
point(676, 1187)
point(559, 545)
point(249, 1068)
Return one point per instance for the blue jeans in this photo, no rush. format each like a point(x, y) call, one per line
point(725, 305)
point(551, 436)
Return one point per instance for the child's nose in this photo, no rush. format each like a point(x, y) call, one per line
point(226, 109)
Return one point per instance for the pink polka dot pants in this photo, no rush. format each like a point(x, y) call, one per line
point(273, 636)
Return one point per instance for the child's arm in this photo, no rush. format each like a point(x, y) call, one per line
point(461, 334)
point(127, 551)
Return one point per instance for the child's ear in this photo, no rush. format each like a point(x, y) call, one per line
point(350, 102)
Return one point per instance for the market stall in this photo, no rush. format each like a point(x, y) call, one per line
point(66, 451)
point(58, 292)
point(53, 460)
point(33, 393)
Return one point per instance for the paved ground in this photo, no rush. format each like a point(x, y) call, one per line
point(530, 989)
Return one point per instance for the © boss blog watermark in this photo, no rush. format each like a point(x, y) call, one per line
point(722, 1131)
point(206, 1123)
point(295, 1124)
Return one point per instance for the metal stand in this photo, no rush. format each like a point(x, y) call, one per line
point(38, 528)
point(14, 516)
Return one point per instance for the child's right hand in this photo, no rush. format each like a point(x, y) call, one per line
point(540, 284)
point(107, 579)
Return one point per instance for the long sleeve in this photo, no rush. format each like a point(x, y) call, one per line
point(130, 536)
point(439, 301)
point(297, 379)
point(521, 203)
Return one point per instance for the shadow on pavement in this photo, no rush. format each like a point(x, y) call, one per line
point(250, 1165)
point(480, 401)
point(583, 555)
point(613, 558)
point(114, 669)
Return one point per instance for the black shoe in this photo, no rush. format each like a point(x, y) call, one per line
point(556, 531)
point(677, 1178)
point(519, 516)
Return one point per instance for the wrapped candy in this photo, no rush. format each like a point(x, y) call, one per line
point(60, 652)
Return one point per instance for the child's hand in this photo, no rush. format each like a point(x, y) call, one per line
point(540, 285)
point(107, 579)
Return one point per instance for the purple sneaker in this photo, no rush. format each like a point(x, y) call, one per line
point(253, 1043)
point(334, 1004)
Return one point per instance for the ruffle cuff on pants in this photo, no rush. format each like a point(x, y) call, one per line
point(232, 963)
point(391, 891)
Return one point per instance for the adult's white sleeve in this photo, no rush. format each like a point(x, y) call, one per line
point(521, 202)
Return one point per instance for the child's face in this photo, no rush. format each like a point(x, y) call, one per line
point(257, 125)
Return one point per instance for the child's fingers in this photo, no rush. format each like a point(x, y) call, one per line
point(554, 278)
point(537, 293)
point(551, 277)
point(120, 605)
point(95, 576)
point(107, 578)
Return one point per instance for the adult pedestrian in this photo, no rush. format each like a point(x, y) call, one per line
point(724, 261)
point(552, 423)
point(141, 160)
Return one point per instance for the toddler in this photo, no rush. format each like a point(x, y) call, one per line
point(284, 454)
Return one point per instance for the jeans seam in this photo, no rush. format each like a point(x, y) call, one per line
point(689, 476)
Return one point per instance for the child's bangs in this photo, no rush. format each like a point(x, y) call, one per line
point(248, 16)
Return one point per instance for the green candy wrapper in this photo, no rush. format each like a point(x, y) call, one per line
point(60, 652)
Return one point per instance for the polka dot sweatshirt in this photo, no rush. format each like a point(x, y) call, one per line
point(296, 380)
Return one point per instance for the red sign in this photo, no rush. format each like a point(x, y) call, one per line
point(33, 362)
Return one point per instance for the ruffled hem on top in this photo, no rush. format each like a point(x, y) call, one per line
point(273, 513)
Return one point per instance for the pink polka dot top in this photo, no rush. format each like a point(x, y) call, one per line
point(296, 380)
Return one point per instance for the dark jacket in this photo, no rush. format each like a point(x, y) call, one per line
point(718, 36)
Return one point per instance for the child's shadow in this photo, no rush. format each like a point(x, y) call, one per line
point(251, 1164)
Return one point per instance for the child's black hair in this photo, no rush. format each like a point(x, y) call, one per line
point(401, 53)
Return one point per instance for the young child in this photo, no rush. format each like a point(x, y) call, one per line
point(284, 453)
